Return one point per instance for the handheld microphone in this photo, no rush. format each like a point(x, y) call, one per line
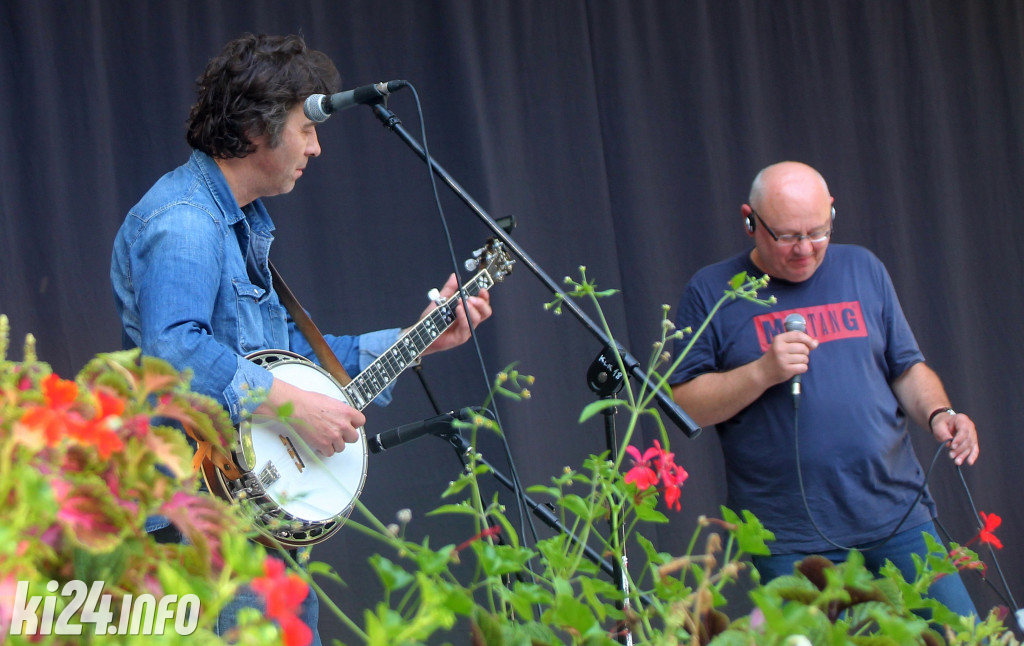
point(795, 322)
point(414, 430)
point(319, 107)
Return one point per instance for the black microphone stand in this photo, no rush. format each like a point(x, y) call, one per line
point(630, 364)
point(611, 355)
point(605, 380)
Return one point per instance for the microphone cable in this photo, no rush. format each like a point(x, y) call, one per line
point(519, 491)
point(807, 508)
point(1007, 599)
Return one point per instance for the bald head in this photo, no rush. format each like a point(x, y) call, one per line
point(784, 180)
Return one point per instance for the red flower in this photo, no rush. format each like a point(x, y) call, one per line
point(992, 521)
point(110, 405)
point(962, 560)
point(657, 464)
point(57, 420)
point(98, 434)
point(59, 393)
point(642, 473)
point(97, 431)
point(55, 417)
point(284, 593)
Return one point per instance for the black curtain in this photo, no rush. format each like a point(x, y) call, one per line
point(622, 135)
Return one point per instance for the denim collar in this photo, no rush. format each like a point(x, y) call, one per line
point(206, 167)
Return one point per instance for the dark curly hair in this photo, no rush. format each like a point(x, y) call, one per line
point(247, 90)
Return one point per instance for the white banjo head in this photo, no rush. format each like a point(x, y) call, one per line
point(307, 486)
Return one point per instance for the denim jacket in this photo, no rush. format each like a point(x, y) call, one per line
point(192, 285)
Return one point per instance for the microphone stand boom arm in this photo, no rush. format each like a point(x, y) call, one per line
point(630, 363)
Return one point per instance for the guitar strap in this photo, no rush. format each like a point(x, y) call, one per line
point(309, 329)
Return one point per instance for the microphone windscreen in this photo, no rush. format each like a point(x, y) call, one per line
point(313, 108)
point(795, 322)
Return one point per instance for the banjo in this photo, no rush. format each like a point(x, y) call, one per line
point(295, 496)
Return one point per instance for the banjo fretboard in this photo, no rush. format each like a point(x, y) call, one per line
point(377, 376)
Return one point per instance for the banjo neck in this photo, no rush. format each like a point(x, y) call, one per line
point(385, 369)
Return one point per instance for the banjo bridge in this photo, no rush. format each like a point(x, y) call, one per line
point(296, 458)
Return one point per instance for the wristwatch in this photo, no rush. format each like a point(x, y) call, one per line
point(937, 412)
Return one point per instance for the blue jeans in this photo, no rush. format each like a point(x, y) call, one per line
point(949, 590)
point(246, 597)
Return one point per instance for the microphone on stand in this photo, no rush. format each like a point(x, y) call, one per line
point(415, 430)
point(795, 322)
point(319, 107)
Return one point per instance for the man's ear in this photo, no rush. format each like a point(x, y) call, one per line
point(748, 219)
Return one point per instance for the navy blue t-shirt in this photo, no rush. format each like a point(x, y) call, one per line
point(859, 468)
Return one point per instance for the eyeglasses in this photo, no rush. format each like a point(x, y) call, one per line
point(788, 239)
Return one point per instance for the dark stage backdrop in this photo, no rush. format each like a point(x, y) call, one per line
point(622, 135)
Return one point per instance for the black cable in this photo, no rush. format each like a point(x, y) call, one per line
point(523, 518)
point(418, 369)
point(995, 562)
point(807, 508)
point(1008, 599)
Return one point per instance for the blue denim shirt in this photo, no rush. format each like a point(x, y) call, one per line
point(192, 285)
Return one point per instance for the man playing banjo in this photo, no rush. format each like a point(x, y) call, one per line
point(190, 266)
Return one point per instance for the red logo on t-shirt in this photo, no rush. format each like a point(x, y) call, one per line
point(824, 322)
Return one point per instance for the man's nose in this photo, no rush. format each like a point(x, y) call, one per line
point(313, 145)
point(804, 245)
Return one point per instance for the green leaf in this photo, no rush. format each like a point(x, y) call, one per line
point(646, 511)
point(391, 575)
point(433, 562)
point(737, 281)
point(524, 596)
point(751, 535)
point(568, 612)
point(286, 410)
point(576, 505)
point(509, 531)
point(490, 629)
point(653, 555)
point(554, 551)
point(501, 559)
point(554, 492)
point(601, 595)
point(600, 405)
point(319, 568)
point(463, 481)
point(454, 597)
point(460, 508)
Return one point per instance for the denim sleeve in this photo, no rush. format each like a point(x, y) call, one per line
point(354, 352)
point(176, 315)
